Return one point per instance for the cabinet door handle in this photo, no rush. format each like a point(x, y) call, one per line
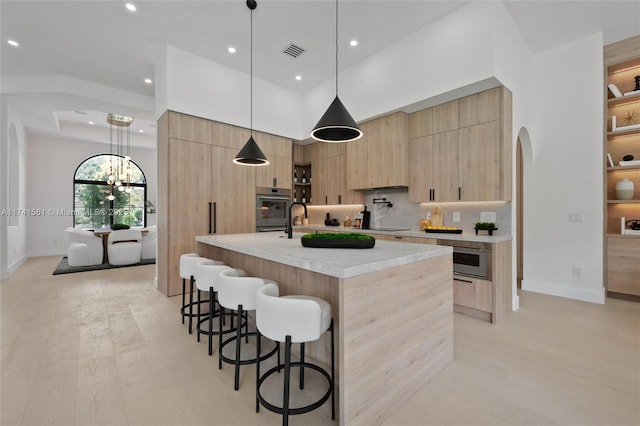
point(212, 218)
point(339, 198)
point(326, 199)
point(397, 237)
point(459, 193)
point(275, 182)
point(463, 281)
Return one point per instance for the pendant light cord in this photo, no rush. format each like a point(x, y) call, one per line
point(336, 48)
point(251, 76)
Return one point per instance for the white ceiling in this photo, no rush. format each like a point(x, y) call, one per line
point(101, 42)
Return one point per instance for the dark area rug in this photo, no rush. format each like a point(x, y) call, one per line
point(64, 268)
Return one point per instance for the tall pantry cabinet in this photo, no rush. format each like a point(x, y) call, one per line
point(201, 191)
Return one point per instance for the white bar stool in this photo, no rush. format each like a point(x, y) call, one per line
point(207, 274)
point(293, 319)
point(238, 293)
point(188, 264)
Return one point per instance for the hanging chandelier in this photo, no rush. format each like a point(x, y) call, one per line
point(120, 161)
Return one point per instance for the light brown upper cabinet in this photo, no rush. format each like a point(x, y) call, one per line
point(445, 117)
point(188, 128)
point(277, 173)
point(381, 157)
point(467, 155)
point(479, 162)
point(479, 108)
point(329, 180)
point(434, 167)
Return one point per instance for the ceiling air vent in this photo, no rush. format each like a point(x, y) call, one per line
point(293, 50)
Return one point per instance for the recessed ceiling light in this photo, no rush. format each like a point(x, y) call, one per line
point(148, 80)
point(353, 43)
point(91, 122)
point(13, 43)
point(231, 49)
point(131, 7)
point(140, 131)
point(298, 77)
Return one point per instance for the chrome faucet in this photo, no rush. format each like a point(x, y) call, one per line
point(289, 227)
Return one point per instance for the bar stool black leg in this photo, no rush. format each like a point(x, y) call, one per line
point(236, 385)
point(333, 380)
point(190, 304)
point(198, 333)
point(259, 336)
point(302, 365)
point(211, 311)
point(182, 306)
point(287, 371)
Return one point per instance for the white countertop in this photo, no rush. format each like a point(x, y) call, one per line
point(340, 263)
point(465, 236)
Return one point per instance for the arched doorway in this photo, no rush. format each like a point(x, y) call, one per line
point(523, 157)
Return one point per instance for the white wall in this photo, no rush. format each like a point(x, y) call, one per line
point(453, 52)
point(50, 167)
point(194, 85)
point(566, 175)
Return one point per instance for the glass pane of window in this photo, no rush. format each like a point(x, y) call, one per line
point(92, 208)
point(129, 207)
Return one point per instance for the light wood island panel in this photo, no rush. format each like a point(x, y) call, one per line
point(394, 327)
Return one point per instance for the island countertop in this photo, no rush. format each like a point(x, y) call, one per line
point(339, 263)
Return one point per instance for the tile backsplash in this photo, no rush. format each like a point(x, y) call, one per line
point(405, 214)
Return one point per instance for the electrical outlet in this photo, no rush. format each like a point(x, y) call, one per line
point(577, 271)
point(575, 217)
point(456, 216)
point(488, 217)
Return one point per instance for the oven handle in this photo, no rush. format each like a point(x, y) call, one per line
point(271, 197)
point(464, 281)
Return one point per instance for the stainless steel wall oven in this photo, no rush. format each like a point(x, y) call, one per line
point(272, 206)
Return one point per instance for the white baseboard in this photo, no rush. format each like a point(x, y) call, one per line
point(6, 274)
point(564, 291)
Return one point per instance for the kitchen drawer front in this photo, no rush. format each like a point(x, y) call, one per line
point(473, 293)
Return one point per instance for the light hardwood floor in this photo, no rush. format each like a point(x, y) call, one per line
point(107, 348)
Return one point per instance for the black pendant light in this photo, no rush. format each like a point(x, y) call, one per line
point(336, 125)
point(251, 154)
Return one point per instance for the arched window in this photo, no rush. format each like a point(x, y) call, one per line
point(92, 204)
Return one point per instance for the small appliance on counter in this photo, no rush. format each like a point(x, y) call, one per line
point(331, 222)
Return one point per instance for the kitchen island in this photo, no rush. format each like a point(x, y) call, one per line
point(392, 308)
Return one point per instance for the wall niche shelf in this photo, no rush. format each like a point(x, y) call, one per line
point(622, 253)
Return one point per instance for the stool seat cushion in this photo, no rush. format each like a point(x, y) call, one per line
point(235, 289)
point(303, 318)
point(207, 273)
point(325, 309)
point(188, 264)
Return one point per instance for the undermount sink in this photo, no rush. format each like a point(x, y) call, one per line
point(390, 229)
